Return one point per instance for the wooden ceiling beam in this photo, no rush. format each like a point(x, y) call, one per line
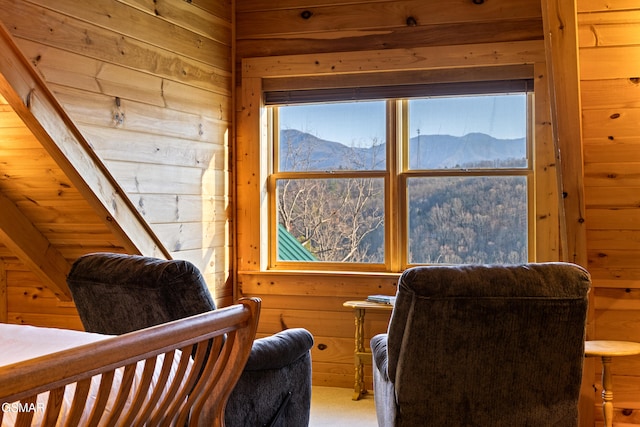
point(19, 234)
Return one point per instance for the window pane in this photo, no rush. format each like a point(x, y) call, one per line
point(330, 137)
point(467, 220)
point(468, 132)
point(332, 220)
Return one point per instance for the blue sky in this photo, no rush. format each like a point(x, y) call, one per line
point(357, 123)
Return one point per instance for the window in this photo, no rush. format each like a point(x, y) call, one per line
point(382, 184)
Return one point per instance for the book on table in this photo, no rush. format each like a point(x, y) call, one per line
point(382, 299)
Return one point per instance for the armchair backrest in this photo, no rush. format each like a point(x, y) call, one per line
point(118, 293)
point(489, 345)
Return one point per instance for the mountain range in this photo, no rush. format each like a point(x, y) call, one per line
point(300, 151)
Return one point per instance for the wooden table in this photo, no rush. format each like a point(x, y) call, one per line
point(606, 350)
point(362, 354)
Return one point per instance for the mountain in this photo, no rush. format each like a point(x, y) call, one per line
point(471, 150)
point(301, 151)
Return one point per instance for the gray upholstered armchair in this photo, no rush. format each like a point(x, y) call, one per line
point(116, 293)
point(483, 346)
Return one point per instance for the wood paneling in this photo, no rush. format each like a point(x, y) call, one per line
point(608, 38)
point(309, 40)
point(149, 86)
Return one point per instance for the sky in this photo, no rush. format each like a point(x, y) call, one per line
point(357, 123)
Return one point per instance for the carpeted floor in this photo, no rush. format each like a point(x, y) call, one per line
point(333, 407)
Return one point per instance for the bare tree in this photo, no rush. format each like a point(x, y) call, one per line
point(334, 218)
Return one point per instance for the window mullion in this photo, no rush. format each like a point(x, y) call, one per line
point(392, 231)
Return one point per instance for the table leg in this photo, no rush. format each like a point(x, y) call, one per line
point(359, 387)
point(607, 392)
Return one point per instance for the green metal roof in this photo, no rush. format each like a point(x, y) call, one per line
point(289, 249)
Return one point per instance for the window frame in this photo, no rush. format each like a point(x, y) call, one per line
point(395, 175)
point(488, 61)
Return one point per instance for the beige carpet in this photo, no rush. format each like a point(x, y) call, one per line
point(333, 407)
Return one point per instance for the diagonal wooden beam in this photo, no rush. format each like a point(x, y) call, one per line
point(31, 247)
point(28, 94)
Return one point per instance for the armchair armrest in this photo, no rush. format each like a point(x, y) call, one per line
point(379, 353)
point(275, 386)
point(384, 393)
point(279, 350)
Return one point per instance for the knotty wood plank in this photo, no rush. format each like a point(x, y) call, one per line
point(615, 219)
point(611, 122)
point(334, 324)
point(250, 155)
point(30, 299)
point(611, 17)
point(333, 375)
point(437, 57)
point(74, 70)
point(610, 93)
point(46, 320)
point(155, 149)
point(617, 299)
point(99, 110)
point(627, 277)
point(179, 236)
point(215, 24)
point(612, 175)
point(612, 150)
point(33, 23)
point(609, 62)
point(164, 208)
point(608, 35)
point(395, 38)
point(377, 15)
point(612, 259)
point(619, 325)
point(150, 29)
point(547, 222)
point(143, 178)
point(330, 349)
point(605, 5)
point(19, 234)
point(221, 9)
point(562, 61)
point(612, 198)
point(256, 5)
point(343, 285)
point(19, 137)
point(614, 239)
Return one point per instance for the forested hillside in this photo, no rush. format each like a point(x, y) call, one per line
point(475, 219)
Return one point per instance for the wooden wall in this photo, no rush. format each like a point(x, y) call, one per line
point(299, 27)
point(609, 41)
point(148, 82)
point(150, 85)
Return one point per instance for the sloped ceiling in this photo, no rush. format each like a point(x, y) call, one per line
point(57, 200)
